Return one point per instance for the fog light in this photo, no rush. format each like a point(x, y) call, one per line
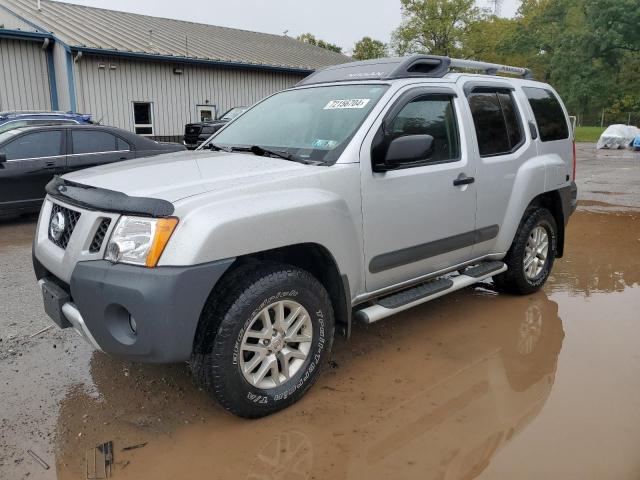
point(132, 324)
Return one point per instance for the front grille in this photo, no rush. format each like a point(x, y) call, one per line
point(98, 238)
point(71, 218)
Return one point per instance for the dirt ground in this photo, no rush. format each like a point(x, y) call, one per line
point(474, 384)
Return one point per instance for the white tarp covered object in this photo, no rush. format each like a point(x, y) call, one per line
point(618, 136)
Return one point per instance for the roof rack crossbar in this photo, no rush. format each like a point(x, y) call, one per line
point(490, 68)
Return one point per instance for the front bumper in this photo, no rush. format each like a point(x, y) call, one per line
point(165, 303)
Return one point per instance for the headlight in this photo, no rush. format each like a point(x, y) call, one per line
point(139, 240)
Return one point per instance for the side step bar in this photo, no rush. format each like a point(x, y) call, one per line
point(411, 297)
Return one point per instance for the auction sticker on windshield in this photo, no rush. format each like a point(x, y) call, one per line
point(350, 103)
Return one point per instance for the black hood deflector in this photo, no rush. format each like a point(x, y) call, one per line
point(95, 198)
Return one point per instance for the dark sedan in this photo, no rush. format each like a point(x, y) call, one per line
point(31, 156)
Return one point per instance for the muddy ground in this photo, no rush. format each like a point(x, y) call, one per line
point(473, 384)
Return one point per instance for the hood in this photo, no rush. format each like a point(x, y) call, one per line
point(179, 175)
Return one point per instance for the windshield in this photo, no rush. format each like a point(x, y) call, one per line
point(233, 113)
point(311, 123)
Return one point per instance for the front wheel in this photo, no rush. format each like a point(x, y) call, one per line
point(531, 256)
point(273, 333)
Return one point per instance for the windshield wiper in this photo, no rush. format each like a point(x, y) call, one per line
point(213, 146)
point(261, 151)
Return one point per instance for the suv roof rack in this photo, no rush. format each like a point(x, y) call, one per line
point(432, 66)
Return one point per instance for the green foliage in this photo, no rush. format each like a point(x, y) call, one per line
point(312, 40)
point(434, 26)
point(589, 50)
point(588, 134)
point(368, 48)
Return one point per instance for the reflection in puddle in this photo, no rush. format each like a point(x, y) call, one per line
point(433, 393)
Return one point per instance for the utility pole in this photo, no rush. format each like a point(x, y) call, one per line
point(496, 6)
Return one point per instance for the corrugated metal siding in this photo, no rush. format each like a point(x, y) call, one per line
point(109, 93)
point(60, 64)
point(24, 80)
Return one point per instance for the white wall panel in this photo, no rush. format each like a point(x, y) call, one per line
point(24, 78)
point(109, 92)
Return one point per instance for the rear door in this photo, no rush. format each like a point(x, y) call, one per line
point(502, 145)
point(92, 146)
point(32, 160)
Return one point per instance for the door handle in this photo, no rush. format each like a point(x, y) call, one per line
point(463, 181)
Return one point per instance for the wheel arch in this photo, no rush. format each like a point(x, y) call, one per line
point(312, 257)
point(552, 201)
point(317, 260)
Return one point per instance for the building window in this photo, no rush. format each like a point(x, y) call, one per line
point(143, 118)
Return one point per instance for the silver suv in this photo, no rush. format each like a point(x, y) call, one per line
point(367, 189)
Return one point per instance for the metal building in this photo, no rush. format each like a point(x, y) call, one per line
point(145, 74)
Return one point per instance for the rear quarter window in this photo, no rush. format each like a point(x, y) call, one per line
point(550, 118)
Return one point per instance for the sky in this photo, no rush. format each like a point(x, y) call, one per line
point(342, 22)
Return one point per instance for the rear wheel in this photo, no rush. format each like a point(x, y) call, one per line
point(531, 256)
point(263, 338)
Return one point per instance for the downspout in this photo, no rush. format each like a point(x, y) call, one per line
point(51, 70)
point(71, 80)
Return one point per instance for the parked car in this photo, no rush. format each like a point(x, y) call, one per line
point(196, 133)
point(16, 119)
point(31, 156)
point(367, 189)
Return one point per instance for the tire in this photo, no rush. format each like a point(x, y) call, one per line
point(515, 279)
point(233, 319)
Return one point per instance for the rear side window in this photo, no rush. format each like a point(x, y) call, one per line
point(430, 115)
point(86, 141)
point(550, 118)
point(497, 122)
point(34, 145)
point(122, 145)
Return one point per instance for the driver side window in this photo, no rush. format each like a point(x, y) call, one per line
point(430, 115)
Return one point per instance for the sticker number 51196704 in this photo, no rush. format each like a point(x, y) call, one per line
point(347, 103)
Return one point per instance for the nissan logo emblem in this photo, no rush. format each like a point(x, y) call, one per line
point(57, 226)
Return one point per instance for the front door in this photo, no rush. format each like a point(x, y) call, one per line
point(416, 220)
point(32, 159)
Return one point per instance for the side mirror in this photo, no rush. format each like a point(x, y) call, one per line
point(3, 157)
point(408, 149)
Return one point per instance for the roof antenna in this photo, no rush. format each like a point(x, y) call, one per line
point(39, 6)
point(151, 39)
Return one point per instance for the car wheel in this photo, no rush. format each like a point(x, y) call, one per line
point(531, 256)
point(263, 338)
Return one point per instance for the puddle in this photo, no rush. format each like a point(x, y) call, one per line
point(470, 385)
point(473, 384)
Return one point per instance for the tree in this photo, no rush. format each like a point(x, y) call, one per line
point(368, 48)
point(434, 26)
point(312, 40)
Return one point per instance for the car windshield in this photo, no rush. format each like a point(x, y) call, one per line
point(233, 113)
point(313, 123)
